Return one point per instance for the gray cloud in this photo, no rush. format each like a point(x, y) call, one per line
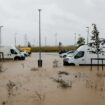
point(64, 17)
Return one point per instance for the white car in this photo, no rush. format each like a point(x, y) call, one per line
point(68, 53)
point(25, 53)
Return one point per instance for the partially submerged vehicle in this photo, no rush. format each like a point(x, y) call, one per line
point(25, 53)
point(26, 49)
point(65, 54)
point(10, 52)
point(83, 55)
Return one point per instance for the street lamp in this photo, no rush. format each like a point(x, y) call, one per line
point(15, 39)
point(0, 35)
point(55, 39)
point(87, 35)
point(75, 39)
point(39, 60)
point(45, 41)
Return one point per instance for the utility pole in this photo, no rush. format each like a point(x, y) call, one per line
point(45, 41)
point(56, 39)
point(75, 39)
point(39, 61)
point(0, 36)
point(15, 39)
point(87, 35)
point(25, 40)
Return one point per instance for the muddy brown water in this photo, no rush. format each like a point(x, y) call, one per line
point(23, 83)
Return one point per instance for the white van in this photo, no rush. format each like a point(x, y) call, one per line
point(83, 55)
point(10, 52)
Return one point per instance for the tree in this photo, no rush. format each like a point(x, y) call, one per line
point(81, 41)
point(95, 37)
point(96, 41)
point(29, 44)
point(60, 46)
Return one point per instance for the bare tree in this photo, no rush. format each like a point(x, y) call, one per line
point(29, 44)
point(81, 41)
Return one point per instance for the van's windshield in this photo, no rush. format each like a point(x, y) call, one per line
point(75, 52)
point(18, 52)
point(79, 54)
point(14, 51)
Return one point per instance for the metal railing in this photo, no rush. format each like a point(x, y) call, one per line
point(1, 56)
point(98, 64)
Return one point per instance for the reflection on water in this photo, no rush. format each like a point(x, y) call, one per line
point(52, 84)
point(97, 84)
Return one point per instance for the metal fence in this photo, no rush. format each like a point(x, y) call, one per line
point(1, 56)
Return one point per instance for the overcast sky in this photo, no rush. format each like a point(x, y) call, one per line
point(60, 20)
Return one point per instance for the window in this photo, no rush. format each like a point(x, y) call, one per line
point(79, 54)
point(13, 51)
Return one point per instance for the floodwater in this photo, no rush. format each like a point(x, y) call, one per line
point(23, 83)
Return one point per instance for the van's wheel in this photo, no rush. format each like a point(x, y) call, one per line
point(65, 64)
point(72, 64)
point(16, 58)
point(22, 58)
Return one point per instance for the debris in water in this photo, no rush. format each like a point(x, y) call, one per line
point(1, 68)
point(4, 103)
point(100, 74)
point(34, 69)
point(63, 83)
point(10, 87)
point(63, 72)
point(55, 63)
point(40, 98)
point(23, 65)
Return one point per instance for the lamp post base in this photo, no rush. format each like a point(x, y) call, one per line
point(39, 63)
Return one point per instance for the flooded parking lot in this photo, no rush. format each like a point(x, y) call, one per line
point(23, 83)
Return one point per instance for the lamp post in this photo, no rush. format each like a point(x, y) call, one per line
point(39, 60)
point(15, 39)
point(45, 41)
point(0, 35)
point(75, 39)
point(55, 39)
point(87, 35)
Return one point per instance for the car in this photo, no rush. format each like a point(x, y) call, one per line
point(26, 49)
point(25, 53)
point(62, 51)
point(63, 55)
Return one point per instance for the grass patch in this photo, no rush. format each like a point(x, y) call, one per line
point(53, 48)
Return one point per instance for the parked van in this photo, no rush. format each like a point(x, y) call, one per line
point(10, 52)
point(26, 49)
point(83, 55)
